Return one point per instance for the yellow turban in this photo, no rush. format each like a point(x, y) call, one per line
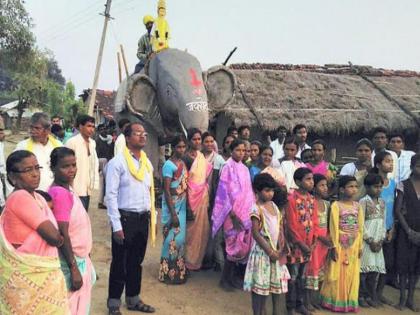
point(162, 4)
point(148, 19)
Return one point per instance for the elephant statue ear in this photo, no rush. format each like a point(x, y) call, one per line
point(141, 96)
point(221, 85)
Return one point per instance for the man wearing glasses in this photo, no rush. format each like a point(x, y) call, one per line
point(129, 199)
point(41, 143)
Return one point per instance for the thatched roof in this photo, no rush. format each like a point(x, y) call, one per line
point(104, 101)
point(335, 99)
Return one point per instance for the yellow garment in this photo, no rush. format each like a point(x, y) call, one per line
point(148, 19)
point(341, 285)
point(55, 143)
point(139, 175)
point(30, 284)
point(160, 32)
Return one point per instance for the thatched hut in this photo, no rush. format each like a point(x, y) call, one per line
point(337, 102)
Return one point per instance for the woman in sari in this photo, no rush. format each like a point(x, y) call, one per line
point(214, 252)
point(234, 200)
point(361, 167)
point(264, 166)
point(198, 230)
point(174, 215)
point(74, 224)
point(31, 281)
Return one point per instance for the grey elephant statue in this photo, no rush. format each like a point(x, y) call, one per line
point(173, 94)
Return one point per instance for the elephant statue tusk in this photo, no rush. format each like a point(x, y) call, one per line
point(131, 109)
point(183, 128)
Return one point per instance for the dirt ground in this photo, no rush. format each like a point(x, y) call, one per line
point(199, 296)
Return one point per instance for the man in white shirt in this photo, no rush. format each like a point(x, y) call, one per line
point(380, 142)
point(300, 133)
point(41, 143)
point(277, 145)
point(87, 176)
point(397, 144)
point(120, 142)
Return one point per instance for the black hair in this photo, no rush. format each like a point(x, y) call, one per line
point(378, 159)
point(59, 153)
point(379, 130)
point(44, 195)
point(304, 152)
point(55, 116)
point(243, 127)
point(397, 135)
point(207, 134)
point(298, 127)
point(56, 128)
point(178, 139)
point(236, 143)
point(281, 128)
point(300, 173)
point(280, 197)
point(414, 160)
point(264, 180)
point(100, 126)
point(344, 180)
point(321, 142)
point(191, 132)
point(366, 142)
point(129, 129)
point(373, 179)
point(122, 123)
point(291, 140)
point(318, 178)
point(230, 130)
point(84, 119)
point(15, 158)
point(258, 144)
point(266, 147)
point(227, 136)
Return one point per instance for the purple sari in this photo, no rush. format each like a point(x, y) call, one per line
point(235, 194)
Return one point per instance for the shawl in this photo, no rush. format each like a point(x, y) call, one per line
point(139, 175)
point(30, 145)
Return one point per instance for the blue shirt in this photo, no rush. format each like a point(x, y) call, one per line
point(388, 195)
point(125, 192)
point(254, 171)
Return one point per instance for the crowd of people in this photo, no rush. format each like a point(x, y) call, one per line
point(274, 217)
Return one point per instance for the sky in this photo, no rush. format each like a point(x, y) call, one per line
point(381, 33)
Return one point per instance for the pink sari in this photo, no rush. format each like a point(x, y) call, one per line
point(198, 200)
point(234, 194)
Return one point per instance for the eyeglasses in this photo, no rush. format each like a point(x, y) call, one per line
point(140, 134)
point(28, 170)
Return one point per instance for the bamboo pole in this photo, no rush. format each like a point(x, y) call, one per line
point(124, 60)
point(119, 67)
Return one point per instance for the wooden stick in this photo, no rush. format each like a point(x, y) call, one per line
point(124, 60)
point(119, 67)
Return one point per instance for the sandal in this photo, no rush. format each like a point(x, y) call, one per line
point(142, 307)
point(114, 311)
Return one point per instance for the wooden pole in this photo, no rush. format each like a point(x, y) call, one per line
point(119, 67)
point(124, 60)
point(99, 59)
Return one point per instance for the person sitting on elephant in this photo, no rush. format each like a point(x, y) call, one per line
point(144, 49)
point(160, 31)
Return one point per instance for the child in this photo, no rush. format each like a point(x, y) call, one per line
point(315, 269)
point(408, 240)
point(373, 262)
point(340, 289)
point(302, 226)
point(383, 166)
point(289, 163)
point(266, 271)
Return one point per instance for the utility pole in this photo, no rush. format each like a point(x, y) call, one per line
point(99, 60)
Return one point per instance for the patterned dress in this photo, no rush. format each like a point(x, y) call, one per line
point(315, 268)
point(263, 276)
point(172, 263)
point(374, 230)
point(340, 291)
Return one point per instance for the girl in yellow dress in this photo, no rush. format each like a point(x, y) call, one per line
point(340, 290)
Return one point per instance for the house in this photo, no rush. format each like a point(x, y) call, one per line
point(104, 104)
point(340, 103)
point(9, 114)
